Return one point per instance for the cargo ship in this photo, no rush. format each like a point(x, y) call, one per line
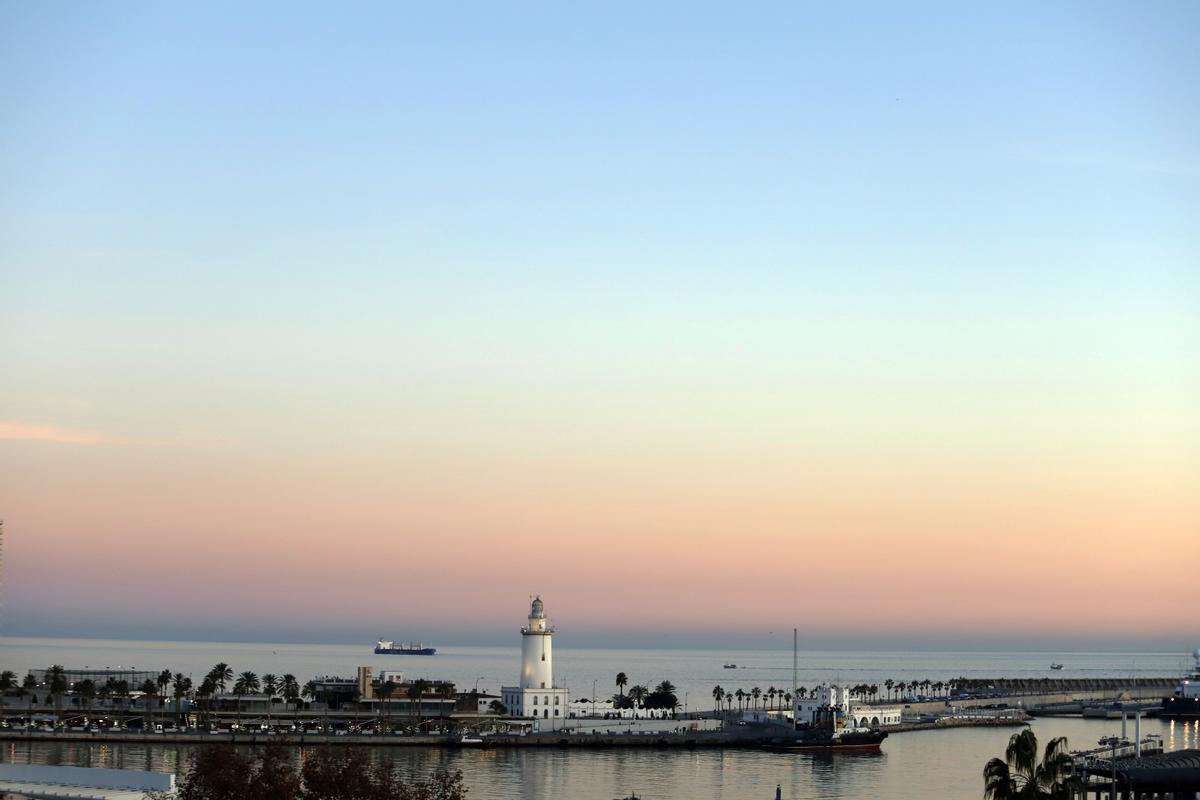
point(1185, 702)
point(385, 647)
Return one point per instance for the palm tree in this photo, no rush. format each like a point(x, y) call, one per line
point(873, 690)
point(164, 680)
point(86, 690)
point(206, 690)
point(148, 689)
point(1019, 775)
point(771, 692)
point(756, 693)
point(385, 692)
point(8, 682)
point(290, 689)
point(247, 683)
point(638, 694)
point(270, 685)
point(741, 695)
point(56, 682)
point(622, 682)
point(416, 690)
point(220, 675)
point(120, 691)
point(888, 684)
point(718, 695)
point(104, 692)
point(181, 684)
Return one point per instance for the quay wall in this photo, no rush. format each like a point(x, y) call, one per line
point(1068, 691)
point(562, 739)
point(1067, 685)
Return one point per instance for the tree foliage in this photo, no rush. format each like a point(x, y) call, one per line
point(662, 697)
point(220, 772)
point(350, 775)
point(1019, 776)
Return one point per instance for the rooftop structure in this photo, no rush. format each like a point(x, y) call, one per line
point(82, 783)
point(134, 677)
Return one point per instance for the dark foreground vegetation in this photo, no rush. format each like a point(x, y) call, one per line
point(271, 773)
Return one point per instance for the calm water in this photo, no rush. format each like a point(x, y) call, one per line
point(927, 764)
point(931, 764)
point(694, 672)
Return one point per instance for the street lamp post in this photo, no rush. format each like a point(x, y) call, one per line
point(594, 699)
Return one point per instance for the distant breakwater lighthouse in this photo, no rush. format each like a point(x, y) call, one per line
point(537, 696)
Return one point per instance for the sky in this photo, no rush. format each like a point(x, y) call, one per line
point(701, 320)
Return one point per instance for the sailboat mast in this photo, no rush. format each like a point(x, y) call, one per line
point(793, 669)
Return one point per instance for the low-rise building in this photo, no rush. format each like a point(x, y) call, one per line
point(846, 711)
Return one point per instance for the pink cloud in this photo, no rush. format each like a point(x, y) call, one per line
point(48, 433)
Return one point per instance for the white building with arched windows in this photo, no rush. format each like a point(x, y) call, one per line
point(845, 710)
point(537, 696)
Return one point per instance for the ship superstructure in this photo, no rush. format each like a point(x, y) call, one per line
point(1185, 702)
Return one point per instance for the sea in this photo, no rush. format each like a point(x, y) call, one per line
point(928, 764)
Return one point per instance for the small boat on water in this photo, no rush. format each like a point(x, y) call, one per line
point(731, 666)
point(1056, 665)
point(385, 647)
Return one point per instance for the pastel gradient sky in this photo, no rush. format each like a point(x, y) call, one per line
point(701, 320)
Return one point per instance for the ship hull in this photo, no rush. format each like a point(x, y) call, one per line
point(394, 651)
point(1180, 708)
point(846, 743)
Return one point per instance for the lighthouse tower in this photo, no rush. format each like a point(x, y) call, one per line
point(537, 696)
point(537, 653)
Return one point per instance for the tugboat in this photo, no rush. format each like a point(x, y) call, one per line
point(1185, 702)
point(826, 732)
point(825, 723)
point(385, 647)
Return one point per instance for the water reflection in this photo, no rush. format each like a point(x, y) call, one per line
point(935, 764)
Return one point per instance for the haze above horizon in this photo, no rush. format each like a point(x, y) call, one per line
point(697, 321)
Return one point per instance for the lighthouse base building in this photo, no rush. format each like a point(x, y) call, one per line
point(536, 696)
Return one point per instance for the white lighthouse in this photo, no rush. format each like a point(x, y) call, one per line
point(537, 696)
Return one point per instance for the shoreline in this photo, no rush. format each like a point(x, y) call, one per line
point(567, 740)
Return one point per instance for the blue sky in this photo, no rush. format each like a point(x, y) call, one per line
point(480, 270)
